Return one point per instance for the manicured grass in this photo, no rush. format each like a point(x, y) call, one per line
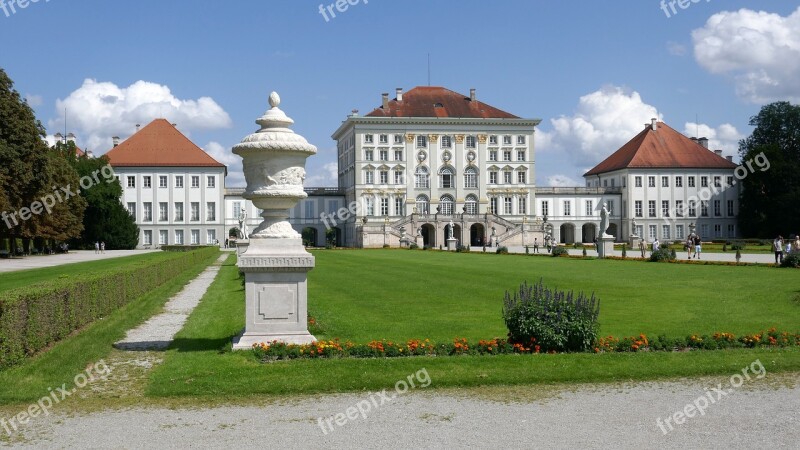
point(364, 295)
point(31, 380)
point(13, 280)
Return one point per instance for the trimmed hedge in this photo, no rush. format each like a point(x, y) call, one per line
point(185, 248)
point(32, 318)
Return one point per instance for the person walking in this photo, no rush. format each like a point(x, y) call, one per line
point(698, 246)
point(777, 245)
point(796, 244)
point(103, 247)
point(96, 247)
point(656, 245)
point(535, 245)
point(689, 244)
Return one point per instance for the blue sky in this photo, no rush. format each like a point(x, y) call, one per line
point(594, 72)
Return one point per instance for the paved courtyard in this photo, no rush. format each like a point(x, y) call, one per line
point(74, 256)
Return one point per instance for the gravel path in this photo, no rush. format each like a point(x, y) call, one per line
point(761, 414)
point(158, 331)
point(74, 256)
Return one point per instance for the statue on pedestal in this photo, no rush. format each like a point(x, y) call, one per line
point(604, 213)
point(450, 233)
point(243, 224)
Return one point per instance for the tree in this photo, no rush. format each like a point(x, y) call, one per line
point(768, 201)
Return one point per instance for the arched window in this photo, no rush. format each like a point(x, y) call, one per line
point(447, 178)
point(471, 204)
point(446, 205)
point(471, 177)
point(422, 177)
point(423, 204)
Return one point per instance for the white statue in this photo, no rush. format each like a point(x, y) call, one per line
point(243, 224)
point(451, 229)
point(604, 213)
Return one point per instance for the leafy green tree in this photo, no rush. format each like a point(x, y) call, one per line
point(768, 203)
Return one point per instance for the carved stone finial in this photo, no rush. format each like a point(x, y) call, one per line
point(274, 99)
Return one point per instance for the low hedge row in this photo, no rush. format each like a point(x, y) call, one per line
point(32, 318)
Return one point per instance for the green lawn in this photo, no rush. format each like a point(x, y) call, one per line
point(363, 295)
point(13, 280)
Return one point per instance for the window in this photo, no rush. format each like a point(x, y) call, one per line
point(520, 140)
point(730, 208)
point(521, 155)
point(384, 155)
point(507, 177)
point(492, 155)
point(421, 177)
point(613, 180)
point(446, 205)
point(637, 208)
point(211, 237)
point(651, 181)
point(148, 237)
point(147, 181)
point(545, 208)
point(422, 141)
point(179, 212)
point(470, 178)
point(703, 181)
point(664, 181)
point(567, 208)
point(369, 202)
point(610, 206)
point(195, 181)
point(665, 208)
point(447, 142)
point(132, 210)
point(605, 183)
point(692, 208)
point(679, 211)
point(398, 206)
point(384, 206)
point(507, 155)
point(195, 237)
point(369, 155)
point(211, 182)
point(179, 237)
point(679, 231)
point(368, 139)
point(717, 208)
point(493, 177)
point(131, 182)
point(589, 208)
point(704, 208)
point(384, 139)
point(179, 181)
point(640, 230)
point(163, 212)
point(162, 181)
point(717, 231)
point(637, 181)
point(471, 204)
point(237, 210)
point(211, 211)
point(679, 183)
point(717, 181)
point(691, 182)
point(731, 231)
point(506, 140)
point(522, 205)
point(651, 208)
point(493, 205)
point(522, 177)
point(652, 230)
point(492, 140)
point(163, 236)
point(446, 178)
point(665, 229)
point(369, 177)
point(309, 206)
point(384, 174)
point(704, 227)
point(398, 155)
point(398, 138)
point(195, 211)
point(423, 205)
point(470, 141)
point(507, 205)
point(730, 181)
point(398, 177)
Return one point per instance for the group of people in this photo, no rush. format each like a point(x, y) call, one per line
point(100, 247)
point(779, 245)
point(693, 242)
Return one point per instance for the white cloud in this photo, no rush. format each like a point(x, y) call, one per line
point(676, 49)
point(724, 137)
point(760, 50)
point(33, 100)
point(604, 120)
point(327, 175)
point(225, 156)
point(562, 181)
point(99, 110)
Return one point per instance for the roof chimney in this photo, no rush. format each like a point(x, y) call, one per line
point(718, 152)
point(399, 94)
point(137, 127)
point(473, 94)
point(354, 113)
point(59, 137)
point(71, 137)
point(729, 158)
point(385, 96)
point(115, 140)
point(654, 124)
point(703, 141)
point(89, 154)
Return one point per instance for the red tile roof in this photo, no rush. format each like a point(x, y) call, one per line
point(427, 101)
point(159, 144)
point(662, 148)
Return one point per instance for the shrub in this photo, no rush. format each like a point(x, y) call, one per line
point(185, 248)
point(663, 255)
point(413, 246)
point(554, 320)
point(462, 249)
point(738, 246)
point(584, 251)
point(502, 250)
point(386, 245)
point(791, 260)
point(560, 251)
point(624, 250)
